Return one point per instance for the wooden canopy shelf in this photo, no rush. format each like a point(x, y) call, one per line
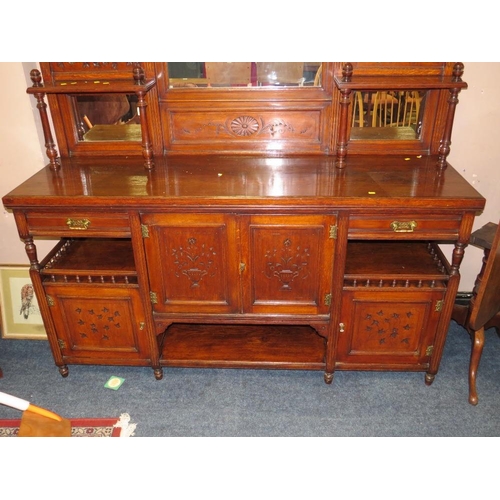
point(95, 87)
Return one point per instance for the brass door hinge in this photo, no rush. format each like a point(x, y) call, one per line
point(145, 231)
point(62, 344)
point(439, 305)
point(328, 299)
point(429, 350)
point(153, 297)
point(333, 233)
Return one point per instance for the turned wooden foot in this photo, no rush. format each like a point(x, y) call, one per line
point(63, 370)
point(475, 357)
point(328, 377)
point(429, 378)
point(158, 373)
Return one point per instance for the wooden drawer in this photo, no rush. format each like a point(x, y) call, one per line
point(75, 224)
point(412, 226)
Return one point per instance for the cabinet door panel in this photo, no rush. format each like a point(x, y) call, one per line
point(290, 261)
point(384, 328)
point(193, 262)
point(98, 322)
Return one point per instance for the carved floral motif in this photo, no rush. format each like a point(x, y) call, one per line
point(193, 261)
point(244, 125)
point(100, 323)
point(277, 126)
point(287, 263)
point(389, 327)
point(95, 65)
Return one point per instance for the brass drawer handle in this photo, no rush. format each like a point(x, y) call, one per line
point(403, 227)
point(78, 224)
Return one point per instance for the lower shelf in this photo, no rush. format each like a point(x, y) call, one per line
point(243, 346)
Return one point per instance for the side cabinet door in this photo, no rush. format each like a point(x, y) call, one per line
point(387, 329)
point(98, 323)
point(288, 262)
point(192, 262)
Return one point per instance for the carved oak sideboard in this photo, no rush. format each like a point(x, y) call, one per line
point(249, 225)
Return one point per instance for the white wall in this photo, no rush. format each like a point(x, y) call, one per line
point(22, 151)
point(475, 151)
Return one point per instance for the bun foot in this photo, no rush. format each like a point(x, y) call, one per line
point(429, 378)
point(64, 371)
point(328, 377)
point(158, 373)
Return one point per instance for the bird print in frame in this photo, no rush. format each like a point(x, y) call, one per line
point(20, 312)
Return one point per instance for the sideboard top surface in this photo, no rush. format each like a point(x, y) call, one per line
point(227, 181)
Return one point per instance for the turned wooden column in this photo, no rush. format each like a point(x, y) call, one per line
point(147, 150)
point(444, 147)
point(50, 146)
point(345, 101)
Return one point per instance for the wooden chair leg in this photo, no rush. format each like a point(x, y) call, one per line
point(475, 357)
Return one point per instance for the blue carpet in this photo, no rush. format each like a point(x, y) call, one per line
point(210, 402)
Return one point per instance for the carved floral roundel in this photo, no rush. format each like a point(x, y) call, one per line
point(244, 125)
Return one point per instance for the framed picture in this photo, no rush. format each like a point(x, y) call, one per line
point(21, 318)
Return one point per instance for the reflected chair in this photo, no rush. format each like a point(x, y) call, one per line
point(483, 312)
point(358, 109)
point(396, 109)
point(318, 76)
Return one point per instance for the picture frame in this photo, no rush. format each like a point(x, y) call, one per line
point(20, 313)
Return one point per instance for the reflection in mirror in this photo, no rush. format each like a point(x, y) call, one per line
point(244, 74)
point(107, 117)
point(387, 114)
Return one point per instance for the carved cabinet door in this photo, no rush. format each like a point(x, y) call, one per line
point(98, 323)
point(192, 262)
point(287, 263)
point(387, 328)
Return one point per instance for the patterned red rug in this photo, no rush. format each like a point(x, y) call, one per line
point(82, 427)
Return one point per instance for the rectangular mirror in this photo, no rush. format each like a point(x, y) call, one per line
point(107, 117)
point(387, 114)
point(244, 74)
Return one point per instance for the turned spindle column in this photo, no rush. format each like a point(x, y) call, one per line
point(147, 150)
point(50, 146)
point(345, 101)
point(444, 147)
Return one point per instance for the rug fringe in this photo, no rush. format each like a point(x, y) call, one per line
point(127, 429)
